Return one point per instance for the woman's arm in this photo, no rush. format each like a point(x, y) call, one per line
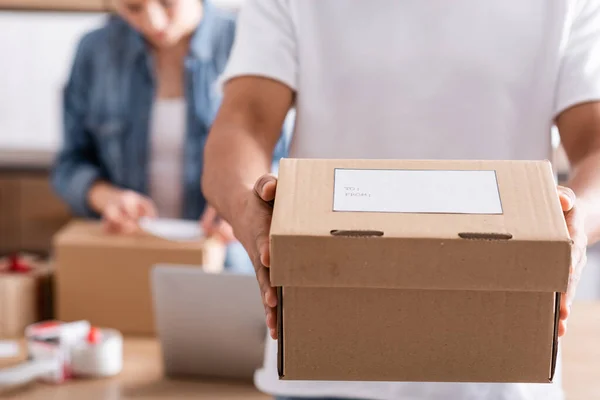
point(76, 169)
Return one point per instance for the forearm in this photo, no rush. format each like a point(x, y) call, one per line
point(101, 193)
point(585, 182)
point(72, 179)
point(240, 145)
point(234, 159)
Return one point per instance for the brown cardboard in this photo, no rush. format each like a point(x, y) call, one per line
point(418, 296)
point(105, 278)
point(23, 297)
point(24, 225)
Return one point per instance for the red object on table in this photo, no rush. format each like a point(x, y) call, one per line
point(93, 336)
point(17, 265)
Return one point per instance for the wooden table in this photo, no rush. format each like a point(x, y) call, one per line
point(142, 376)
point(141, 379)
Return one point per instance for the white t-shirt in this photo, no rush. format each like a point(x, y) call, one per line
point(167, 142)
point(435, 79)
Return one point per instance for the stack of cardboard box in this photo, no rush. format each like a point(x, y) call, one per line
point(418, 270)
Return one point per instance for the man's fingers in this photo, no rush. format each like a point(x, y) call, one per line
point(265, 187)
point(272, 324)
point(567, 198)
point(575, 275)
point(268, 293)
point(565, 310)
point(271, 297)
point(265, 255)
point(575, 222)
point(562, 328)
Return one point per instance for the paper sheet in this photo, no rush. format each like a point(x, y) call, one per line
point(410, 191)
point(176, 230)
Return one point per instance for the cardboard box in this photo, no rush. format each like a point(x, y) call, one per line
point(445, 271)
point(24, 225)
point(24, 296)
point(105, 279)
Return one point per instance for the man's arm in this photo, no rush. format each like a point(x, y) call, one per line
point(579, 128)
point(239, 148)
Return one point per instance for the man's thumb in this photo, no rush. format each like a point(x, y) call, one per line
point(567, 198)
point(265, 187)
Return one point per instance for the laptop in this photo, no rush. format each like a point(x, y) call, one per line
point(209, 325)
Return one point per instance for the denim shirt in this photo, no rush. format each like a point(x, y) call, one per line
point(107, 106)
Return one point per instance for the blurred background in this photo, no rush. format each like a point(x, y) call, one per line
point(37, 44)
point(38, 40)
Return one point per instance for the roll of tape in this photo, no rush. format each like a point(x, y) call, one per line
point(53, 340)
point(99, 355)
point(59, 351)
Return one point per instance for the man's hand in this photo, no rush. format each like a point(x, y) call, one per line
point(254, 226)
point(124, 209)
point(214, 226)
point(575, 223)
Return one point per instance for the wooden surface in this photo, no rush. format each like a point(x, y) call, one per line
point(25, 160)
point(142, 376)
point(55, 5)
point(141, 379)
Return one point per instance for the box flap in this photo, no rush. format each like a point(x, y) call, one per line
point(481, 225)
point(90, 233)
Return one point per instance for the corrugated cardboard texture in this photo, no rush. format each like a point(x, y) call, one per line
point(105, 279)
point(420, 249)
point(417, 335)
point(418, 296)
point(21, 300)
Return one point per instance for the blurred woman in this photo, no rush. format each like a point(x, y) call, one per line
point(138, 105)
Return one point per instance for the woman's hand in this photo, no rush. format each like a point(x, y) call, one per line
point(575, 220)
point(214, 226)
point(124, 209)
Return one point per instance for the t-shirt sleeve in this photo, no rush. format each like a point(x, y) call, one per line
point(265, 43)
point(579, 76)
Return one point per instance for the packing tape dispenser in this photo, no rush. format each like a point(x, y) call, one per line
point(58, 352)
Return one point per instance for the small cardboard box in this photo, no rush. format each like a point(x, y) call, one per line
point(105, 279)
point(444, 271)
point(23, 296)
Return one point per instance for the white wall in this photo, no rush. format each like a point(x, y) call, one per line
point(36, 51)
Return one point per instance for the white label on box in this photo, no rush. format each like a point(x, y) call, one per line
point(412, 191)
